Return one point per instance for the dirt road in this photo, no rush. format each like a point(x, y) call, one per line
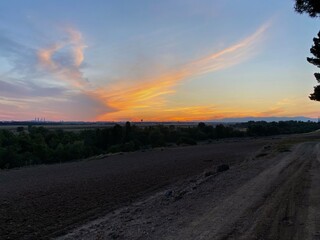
point(270, 196)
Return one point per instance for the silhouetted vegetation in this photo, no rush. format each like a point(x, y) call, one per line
point(315, 50)
point(262, 128)
point(312, 7)
point(39, 145)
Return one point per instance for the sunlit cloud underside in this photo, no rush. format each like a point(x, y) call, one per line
point(147, 98)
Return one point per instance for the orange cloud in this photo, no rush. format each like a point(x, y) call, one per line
point(45, 56)
point(142, 99)
point(189, 113)
point(70, 73)
point(147, 99)
point(78, 46)
point(161, 113)
point(230, 56)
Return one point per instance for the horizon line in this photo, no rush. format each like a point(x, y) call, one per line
point(169, 121)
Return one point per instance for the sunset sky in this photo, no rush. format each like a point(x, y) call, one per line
point(168, 60)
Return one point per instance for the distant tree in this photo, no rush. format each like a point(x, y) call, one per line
point(315, 50)
point(201, 125)
point(20, 129)
point(311, 7)
point(117, 134)
point(127, 136)
point(220, 131)
point(156, 138)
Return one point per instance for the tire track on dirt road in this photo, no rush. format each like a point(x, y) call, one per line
point(313, 221)
point(273, 205)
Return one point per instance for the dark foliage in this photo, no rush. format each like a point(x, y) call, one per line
point(315, 50)
point(263, 128)
point(39, 145)
point(311, 7)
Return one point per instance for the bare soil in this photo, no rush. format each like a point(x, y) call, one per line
point(271, 191)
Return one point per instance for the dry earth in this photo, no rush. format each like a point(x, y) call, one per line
point(269, 192)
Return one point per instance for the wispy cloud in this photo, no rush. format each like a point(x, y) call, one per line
point(146, 98)
point(150, 93)
point(292, 107)
point(65, 66)
point(29, 82)
point(21, 58)
point(19, 89)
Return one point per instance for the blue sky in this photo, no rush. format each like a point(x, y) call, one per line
point(156, 60)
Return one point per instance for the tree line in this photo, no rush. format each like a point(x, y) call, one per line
point(39, 145)
point(262, 128)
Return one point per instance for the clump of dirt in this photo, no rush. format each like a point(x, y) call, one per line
point(223, 167)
